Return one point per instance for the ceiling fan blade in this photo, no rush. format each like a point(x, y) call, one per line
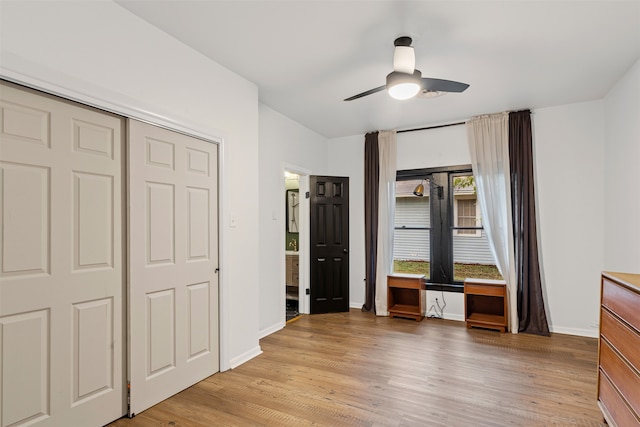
point(369, 92)
point(438, 85)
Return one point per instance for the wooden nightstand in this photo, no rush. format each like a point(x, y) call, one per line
point(405, 295)
point(485, 304)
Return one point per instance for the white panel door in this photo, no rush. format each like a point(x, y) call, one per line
point(173, 260)
point(61, 262)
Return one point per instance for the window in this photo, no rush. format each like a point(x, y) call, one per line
point(440, 234)
point(466, 212)
point(465, 215)
point(411, 249)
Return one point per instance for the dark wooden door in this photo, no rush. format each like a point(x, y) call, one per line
point(329, 244)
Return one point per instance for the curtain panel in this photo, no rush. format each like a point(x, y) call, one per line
point(371, 190)
point(531, 308)
point(387, 147)
point(488, 138)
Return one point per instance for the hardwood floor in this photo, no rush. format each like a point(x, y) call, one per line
point(355, 369)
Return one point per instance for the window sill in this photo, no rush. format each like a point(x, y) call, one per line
point(455, 287)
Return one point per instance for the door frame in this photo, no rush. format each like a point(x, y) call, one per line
point(304, 301)
point(114, 102)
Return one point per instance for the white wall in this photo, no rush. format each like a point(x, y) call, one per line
point(622, 174)
point(284, 144)
point(430, 148)
point(99, 53)
point(569, 168)
point(437, 147)
point(568, 152)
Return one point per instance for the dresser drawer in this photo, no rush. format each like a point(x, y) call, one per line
point(626, 380)
point(406, 281)
point(614, 407)
point(621, 337)
point(622, 301)
point(488, 290)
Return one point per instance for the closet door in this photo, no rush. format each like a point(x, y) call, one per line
point(61, 262)
point(173, 260)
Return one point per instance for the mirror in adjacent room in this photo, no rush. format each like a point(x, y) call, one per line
point(293, 210)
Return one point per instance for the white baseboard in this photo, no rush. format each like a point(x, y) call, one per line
point(271, 329)
point(457, 317)
point(245, 357)
point(581, 332)
point(355, 304)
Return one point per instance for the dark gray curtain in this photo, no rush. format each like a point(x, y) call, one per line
point(531, 312)
point(371, 191)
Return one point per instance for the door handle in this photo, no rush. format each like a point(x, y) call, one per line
point(345, 250)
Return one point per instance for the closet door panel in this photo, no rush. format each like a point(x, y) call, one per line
point(173, 291)
point(61, 262)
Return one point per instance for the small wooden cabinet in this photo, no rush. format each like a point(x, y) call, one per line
point(292, 276)
point(485, 304)
point(405, 295)
point(293, 270)
point(619, 349)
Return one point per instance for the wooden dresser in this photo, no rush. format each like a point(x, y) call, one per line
point(619, 349)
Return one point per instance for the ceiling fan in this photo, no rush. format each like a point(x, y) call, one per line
point(405, 81)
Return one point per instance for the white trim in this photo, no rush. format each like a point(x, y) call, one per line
point(304, 301)
point(304, 263)
point(223, 239)
point(456, 317)
point(118, 103)
point(357, 305)
point(271, 329)
point(245, 357)
point(581, 332)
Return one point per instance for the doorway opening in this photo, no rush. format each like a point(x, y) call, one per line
point(292, 245)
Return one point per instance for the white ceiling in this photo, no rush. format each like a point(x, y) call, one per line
point(306, 56)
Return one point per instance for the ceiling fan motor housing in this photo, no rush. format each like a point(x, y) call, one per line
point(402, 41)
point(396, 77)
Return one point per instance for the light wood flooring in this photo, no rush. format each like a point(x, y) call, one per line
point(355, 369)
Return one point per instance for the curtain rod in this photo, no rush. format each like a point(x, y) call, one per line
point(431, 127)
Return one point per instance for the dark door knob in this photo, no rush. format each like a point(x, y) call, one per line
point(345, 250)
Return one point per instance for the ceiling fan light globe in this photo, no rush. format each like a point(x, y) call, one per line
point(403, 91)
point(403, 85)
